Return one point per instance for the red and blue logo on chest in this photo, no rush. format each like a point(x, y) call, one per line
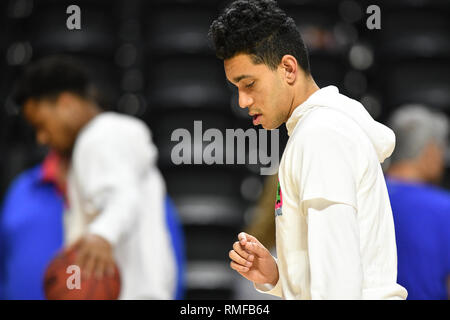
point(279, 201)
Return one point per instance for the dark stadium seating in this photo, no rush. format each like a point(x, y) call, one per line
point(411, 33)
point(193, 82)
point(421, 81)
point(188, 36)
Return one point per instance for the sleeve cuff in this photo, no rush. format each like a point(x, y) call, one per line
point(269, 289)
point(100, 228)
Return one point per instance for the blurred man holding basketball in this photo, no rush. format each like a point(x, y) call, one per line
point(334, 227)
point(116, 194)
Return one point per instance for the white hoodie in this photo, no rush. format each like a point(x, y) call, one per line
point(335, 234)
point(116, 191)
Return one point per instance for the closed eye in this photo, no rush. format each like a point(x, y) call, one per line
point(250, 85)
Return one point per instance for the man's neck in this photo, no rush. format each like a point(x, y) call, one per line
point(92, 110)
point(302, 93)
point(405, 172)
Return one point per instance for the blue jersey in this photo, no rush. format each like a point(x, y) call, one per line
point(177, 239)
point(31, 233)
point(422, 228)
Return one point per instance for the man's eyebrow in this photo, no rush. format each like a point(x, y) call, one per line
point(244, 76)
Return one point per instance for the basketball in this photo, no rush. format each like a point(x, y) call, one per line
point(60, 281)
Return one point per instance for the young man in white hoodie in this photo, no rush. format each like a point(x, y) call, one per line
point(334, 227)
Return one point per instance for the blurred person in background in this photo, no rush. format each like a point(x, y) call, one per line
point(31, 228)
point(115, 192)
point(421, 208)
point(335, 236)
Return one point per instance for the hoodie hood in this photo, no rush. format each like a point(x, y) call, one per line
point(382, 137)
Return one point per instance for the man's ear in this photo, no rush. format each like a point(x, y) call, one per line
point(289, 67)
point(64, 98)
point(67, 99)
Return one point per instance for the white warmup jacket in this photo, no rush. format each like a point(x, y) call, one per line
point(335, 235)
point(116, 191)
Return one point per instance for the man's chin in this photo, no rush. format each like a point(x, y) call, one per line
point(269, 127)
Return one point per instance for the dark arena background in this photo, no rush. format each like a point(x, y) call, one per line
point(153, 60)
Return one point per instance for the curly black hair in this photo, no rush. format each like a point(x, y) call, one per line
point(261, 29)
point(50, 76)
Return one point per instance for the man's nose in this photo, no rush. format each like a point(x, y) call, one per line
point(245, 100)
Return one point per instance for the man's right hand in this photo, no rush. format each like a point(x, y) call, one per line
point(253, 261)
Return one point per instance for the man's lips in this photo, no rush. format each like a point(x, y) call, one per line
point(257, 119)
